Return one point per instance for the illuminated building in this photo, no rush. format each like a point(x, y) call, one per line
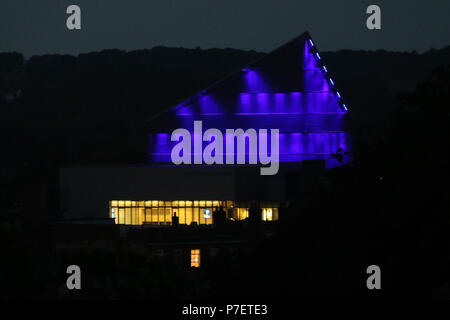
point(289, 89)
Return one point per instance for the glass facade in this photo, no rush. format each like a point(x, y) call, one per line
point(189, 212)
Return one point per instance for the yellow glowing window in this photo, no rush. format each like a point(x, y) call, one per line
point(188, 216)
point(195, 258)
point(127, 215)
point(168, 212)
point(267, 214)
point(154, 212)
point(195, 215)
point(182, 215)
point(275, 213)
point(121, 215)
point(242, 213)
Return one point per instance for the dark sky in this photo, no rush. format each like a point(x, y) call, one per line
point(39, 26)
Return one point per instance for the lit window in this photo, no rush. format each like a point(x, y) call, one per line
point(207, 213)
point(267, 214)
point(195, 258)
point(242, 213)
point(113, 213)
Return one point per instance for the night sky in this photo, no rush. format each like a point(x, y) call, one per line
point(38, 27)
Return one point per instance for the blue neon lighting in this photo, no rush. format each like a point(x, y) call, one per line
point(258, 101)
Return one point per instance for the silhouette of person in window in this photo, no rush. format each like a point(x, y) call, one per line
point(175, 220)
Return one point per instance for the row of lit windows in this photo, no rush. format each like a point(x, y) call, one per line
point(176, 203)
point(161, 216)
point(162, 212)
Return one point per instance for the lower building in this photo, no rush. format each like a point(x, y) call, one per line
point(146, 195)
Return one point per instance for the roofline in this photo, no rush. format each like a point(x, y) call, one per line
point(304, 36)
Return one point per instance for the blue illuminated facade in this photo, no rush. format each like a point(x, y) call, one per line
point(289, 89)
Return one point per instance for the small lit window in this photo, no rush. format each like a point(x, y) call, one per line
point(195, 258)
point(113, 213)
point(267, 214)
point(207, 213)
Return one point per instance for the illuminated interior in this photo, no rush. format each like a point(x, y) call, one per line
point(189, 212)
point(195, 258)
